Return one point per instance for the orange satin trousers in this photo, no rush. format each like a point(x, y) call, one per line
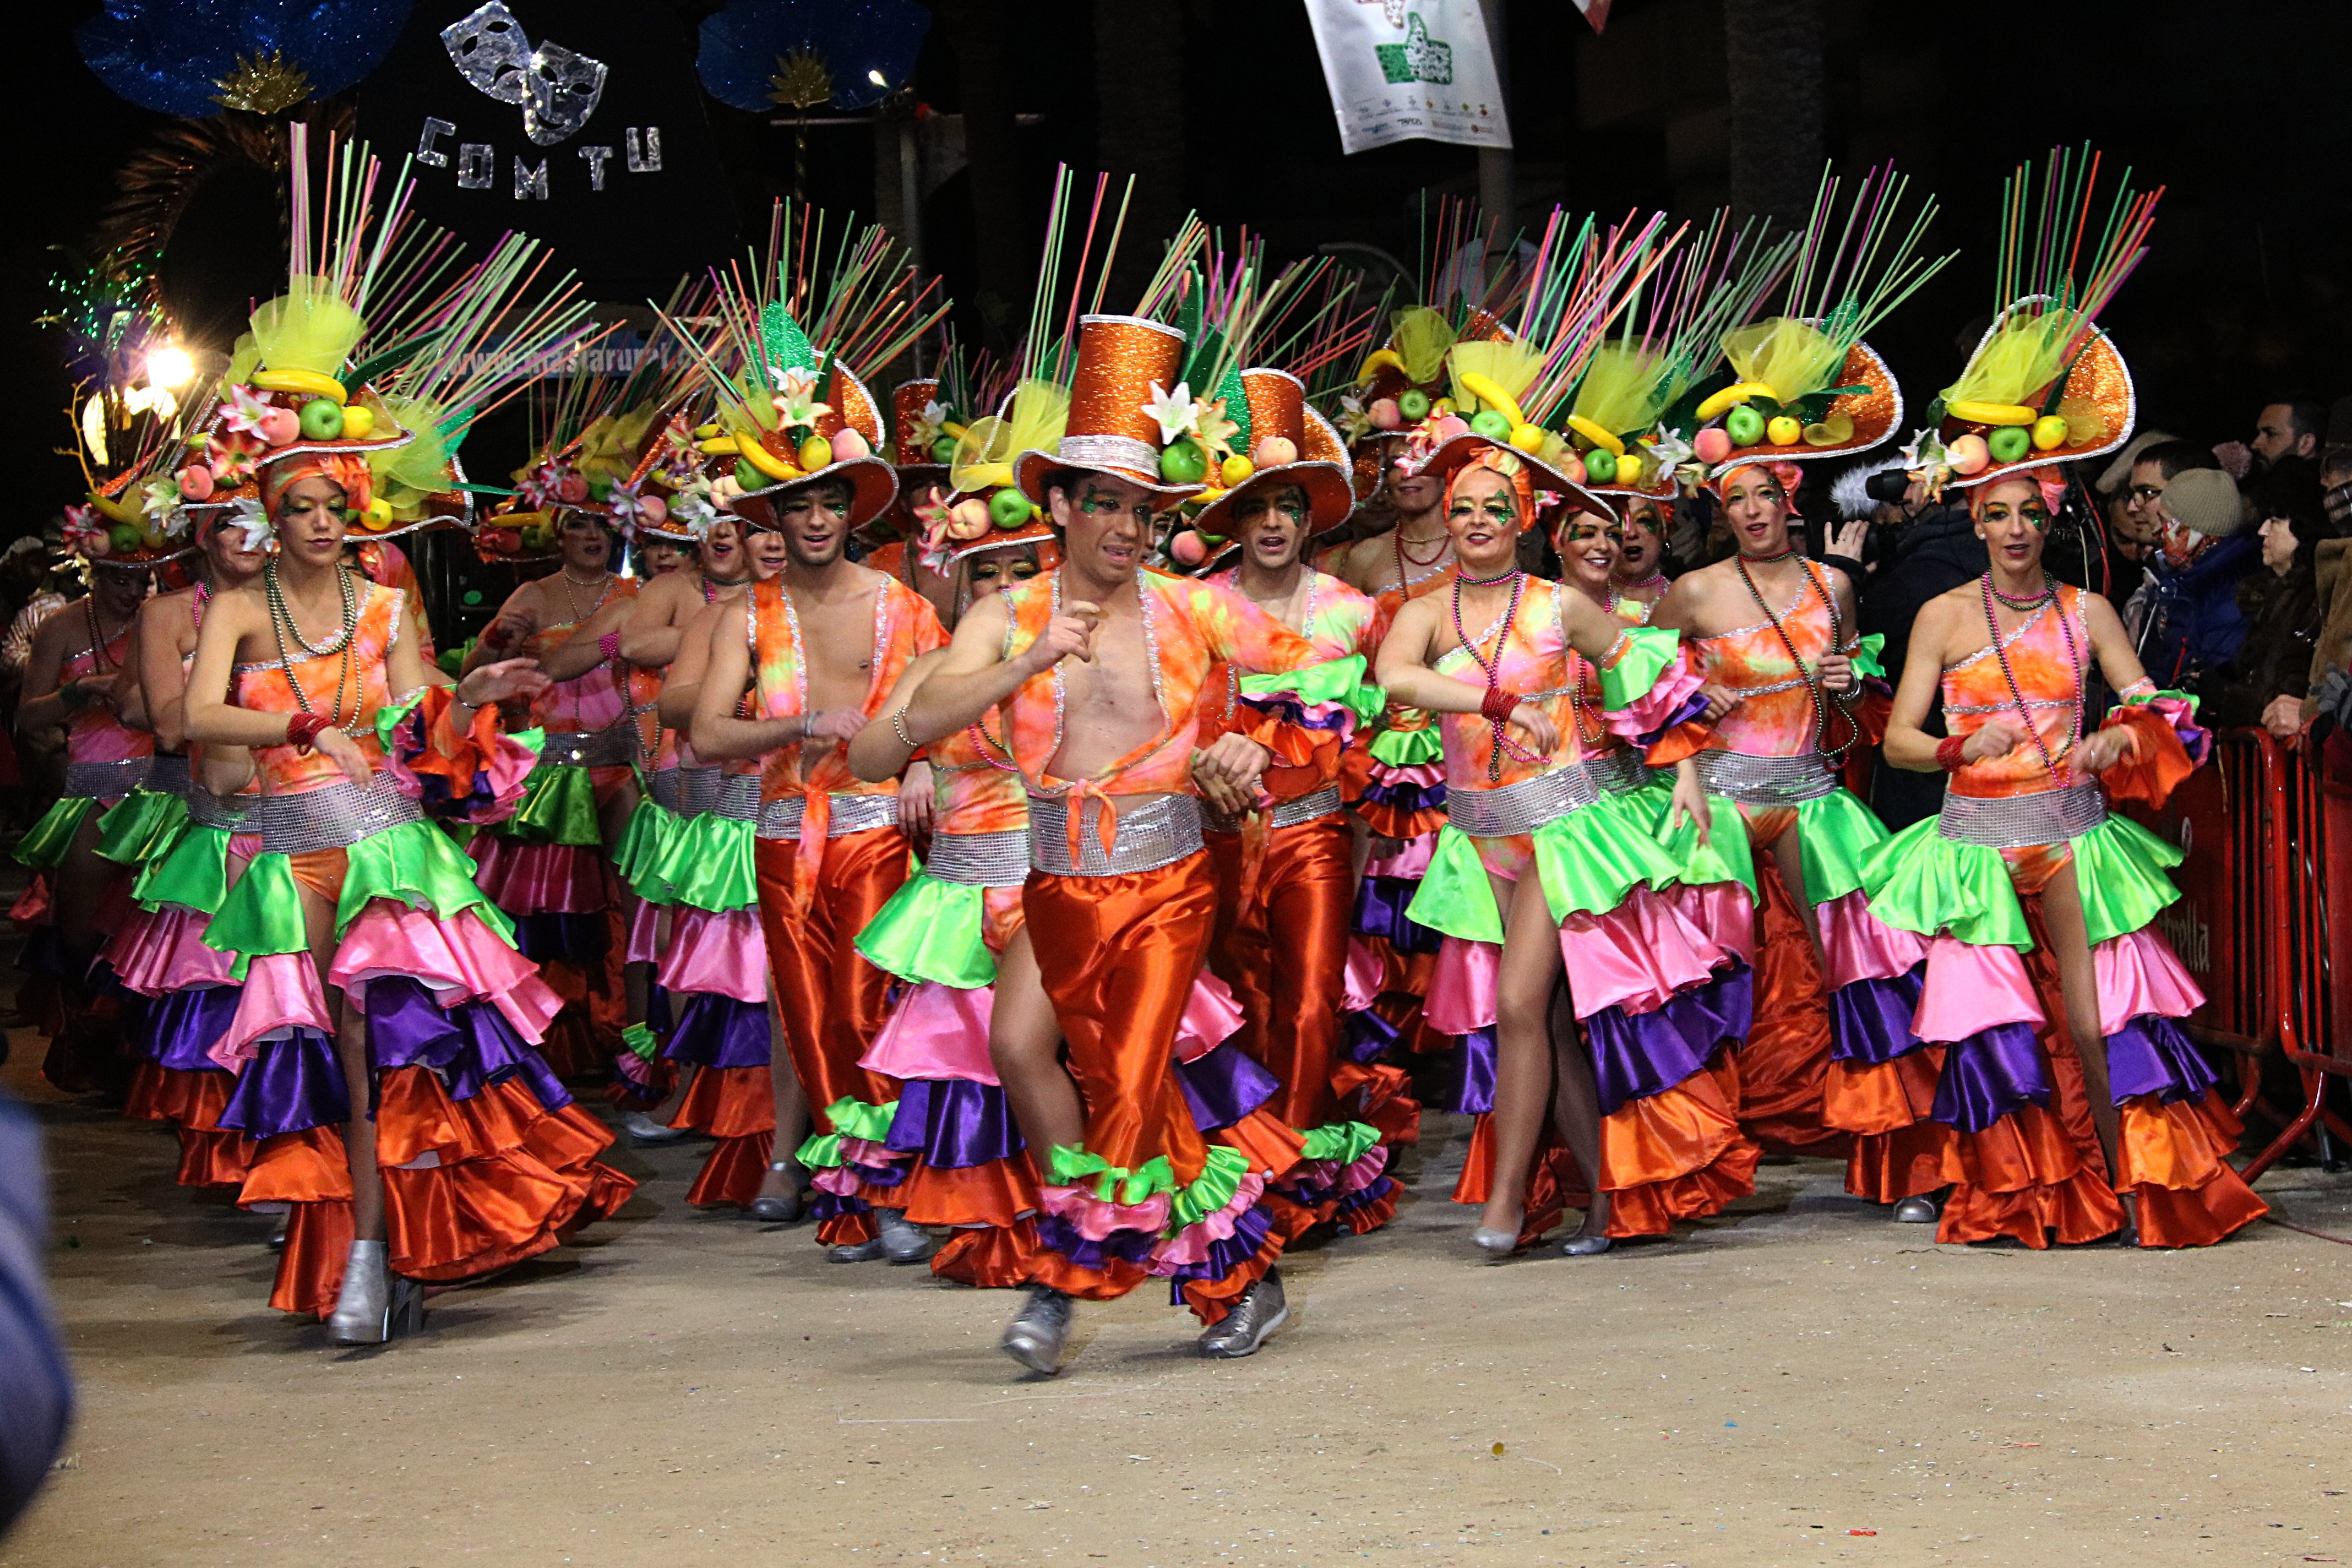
point(1285, 952)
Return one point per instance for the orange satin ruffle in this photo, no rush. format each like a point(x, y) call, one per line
point(1784, 1064)
point(997, 1192)
point(1677, 1154)
point(211, 1155)
point(1898, 1150)
point(1555, 1182)
point(992, 1257)
point(736, 1106)
point(2176, 1162)
point(309, 1170)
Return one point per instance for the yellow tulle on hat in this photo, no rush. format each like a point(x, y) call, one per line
point(2017, 358)
point(405, 474)
point(1034, 421)
point(1421, 340)
point(310, 327)
point(1627, 388)
point(1794, 358)
point(1507, 363)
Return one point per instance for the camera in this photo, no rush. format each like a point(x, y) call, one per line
point(1887, 487)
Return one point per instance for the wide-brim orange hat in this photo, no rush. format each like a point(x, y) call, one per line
point(1277, 407)
point(1111, 429)
point(871, 477)
point(1457, 450)
point(2098, 378)
point(1876, 414)
point(872, 485)
point(1037, 533)
point(909, 454)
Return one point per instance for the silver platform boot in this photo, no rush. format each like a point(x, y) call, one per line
point(1260, 1311)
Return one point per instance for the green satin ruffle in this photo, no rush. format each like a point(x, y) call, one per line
point(1455, 896)
point(1726, 856)
point(1339, 680)
point(46, 842)
point(142, 824)
point(931, 930)
point(415, 864)
point(1068, 1165)
point(635, 861)
point(2120, 867)
point(1408, 748)
point(192, 872)
point(1592, 858)
point(706, 861)
point(1342, 1143)
point(558, 807)
point(1922, 881)
point(1652, 651)
point(261, 916)
point(850, 1119)
point(1835, 835)
point(1870, 658)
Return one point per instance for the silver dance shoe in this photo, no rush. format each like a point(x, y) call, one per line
point(1260, 1311)
point(1034, 1338)
point(375, 1305)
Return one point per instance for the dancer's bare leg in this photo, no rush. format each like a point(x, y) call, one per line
point(791, 1113)
point(1576, 1105)
point(2069, 944)
point(1025, 1042)
point(1530, 967)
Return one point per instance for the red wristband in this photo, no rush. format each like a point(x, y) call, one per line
point(1497, 705)
point(608, 644)
point(303, 729)
point(1950, 754)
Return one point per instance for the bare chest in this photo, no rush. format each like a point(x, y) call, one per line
point(837, 649)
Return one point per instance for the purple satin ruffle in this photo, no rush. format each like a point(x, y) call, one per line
point(660, 1013)
point(1471, 1088)
point(2152, 1055)
point(1379, 911)
point(1368, 1035)
point(182, 1026)
point(1286, 707)
point(1639, 1056)
point(1406, 795)
point(1691, 707)
point(714, 1031)
point(1870, 1020)
point(1224, 1086)
point(1127, 1246)
point(952, 1125)
point(551, 935)
point(468, 1048)
point(289, 1086)
point(1990, 1075)
point(1226, 1254)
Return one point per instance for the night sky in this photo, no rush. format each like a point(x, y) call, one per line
point(2239, 112)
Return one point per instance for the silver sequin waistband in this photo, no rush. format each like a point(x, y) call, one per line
point(1767, 780)
point(2017, 821)
point(1306, 808)
point(1150, 836)
point(697, 789)
point(333, 817)
point(1520, 808)
point(1617, 772)
point(206, 809)
point(735, 796)
point(980, 859)
point(849, 814)
point(106, 781)
point(664, 786)
point(612, 747)
point(169, 775)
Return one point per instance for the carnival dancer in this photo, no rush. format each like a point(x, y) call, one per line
point(944, 936)
point(2048, 982)
point(1831, 1064)
point(1287, 879)
point(1675, 1151)
point(1638, 579)
point(1147, 1170)
point(814, 651)
point(382, 1039)
point(76, 677)
point(922, 446)
point(183, 871)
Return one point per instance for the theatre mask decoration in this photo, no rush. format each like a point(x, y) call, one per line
point(556, 87)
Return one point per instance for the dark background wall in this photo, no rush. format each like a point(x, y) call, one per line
point(1219, 105)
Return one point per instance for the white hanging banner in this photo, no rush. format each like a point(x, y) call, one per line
point(1402, 69)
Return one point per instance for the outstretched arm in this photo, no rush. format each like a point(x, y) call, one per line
point(877, 752)
point(582, 650)
point(718, 735)
point(974, 677)
point(1405, 657)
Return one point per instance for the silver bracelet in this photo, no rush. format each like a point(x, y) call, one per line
point(898, 724)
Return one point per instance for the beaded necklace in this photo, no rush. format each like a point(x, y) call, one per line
point(1811, 677)
point(2048, 596)
point(281, 621)
point(1494, 672)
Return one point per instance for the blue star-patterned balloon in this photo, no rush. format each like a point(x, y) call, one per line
point(858, 40)
point(169, 55)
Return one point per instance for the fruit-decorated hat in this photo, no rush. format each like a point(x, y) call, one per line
point(131, 432)
point(592, 467)
point(1807, 386)
point(2045, 385)
point(1287, 443)
point(791, 410)
point(1131, 412)
point(1514, 389)
point(922, 444)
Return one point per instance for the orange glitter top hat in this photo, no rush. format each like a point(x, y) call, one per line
point(1119, 395)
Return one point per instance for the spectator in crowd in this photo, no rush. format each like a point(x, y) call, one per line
point(2265, 684)
point(2329, 687)
point(35, 1389)
point(2130, 538)
point(2292, 429)
point(2185, 618)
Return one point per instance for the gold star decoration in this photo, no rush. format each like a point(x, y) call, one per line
point(262, 84)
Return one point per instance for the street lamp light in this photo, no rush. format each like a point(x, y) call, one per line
point(170, 366)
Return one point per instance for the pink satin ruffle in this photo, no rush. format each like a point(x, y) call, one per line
point(1969, 989)
point(720, 953)
point(1461, 986)
point(935, 1032)
point(1858, 945)
point(1095, 1218)
point(1191, 1244)
point(645, 934)
point(458, 960)
point(1636, 955)
point(2138, 973)
point(1654, 708)
point(1411, 860)
point(539, 878)
point(1725, 912)
point(1361, 981)
point(158, 951)
point(1211, 1016)
point(281, 994)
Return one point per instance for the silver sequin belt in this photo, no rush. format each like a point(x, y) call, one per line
point(1767, 780)
point(1313, 807)
point(169, 775)
point(1150, 836)
point(735, 796)
point(697, 789)
point(106, 781)
point(612, 747)
point(979, 860)
point(2018, 821)
point(1521, 807)
point(848, 813)
point(206, 809)
point(1619, 772)
point(664, 787)
point(332, 817)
